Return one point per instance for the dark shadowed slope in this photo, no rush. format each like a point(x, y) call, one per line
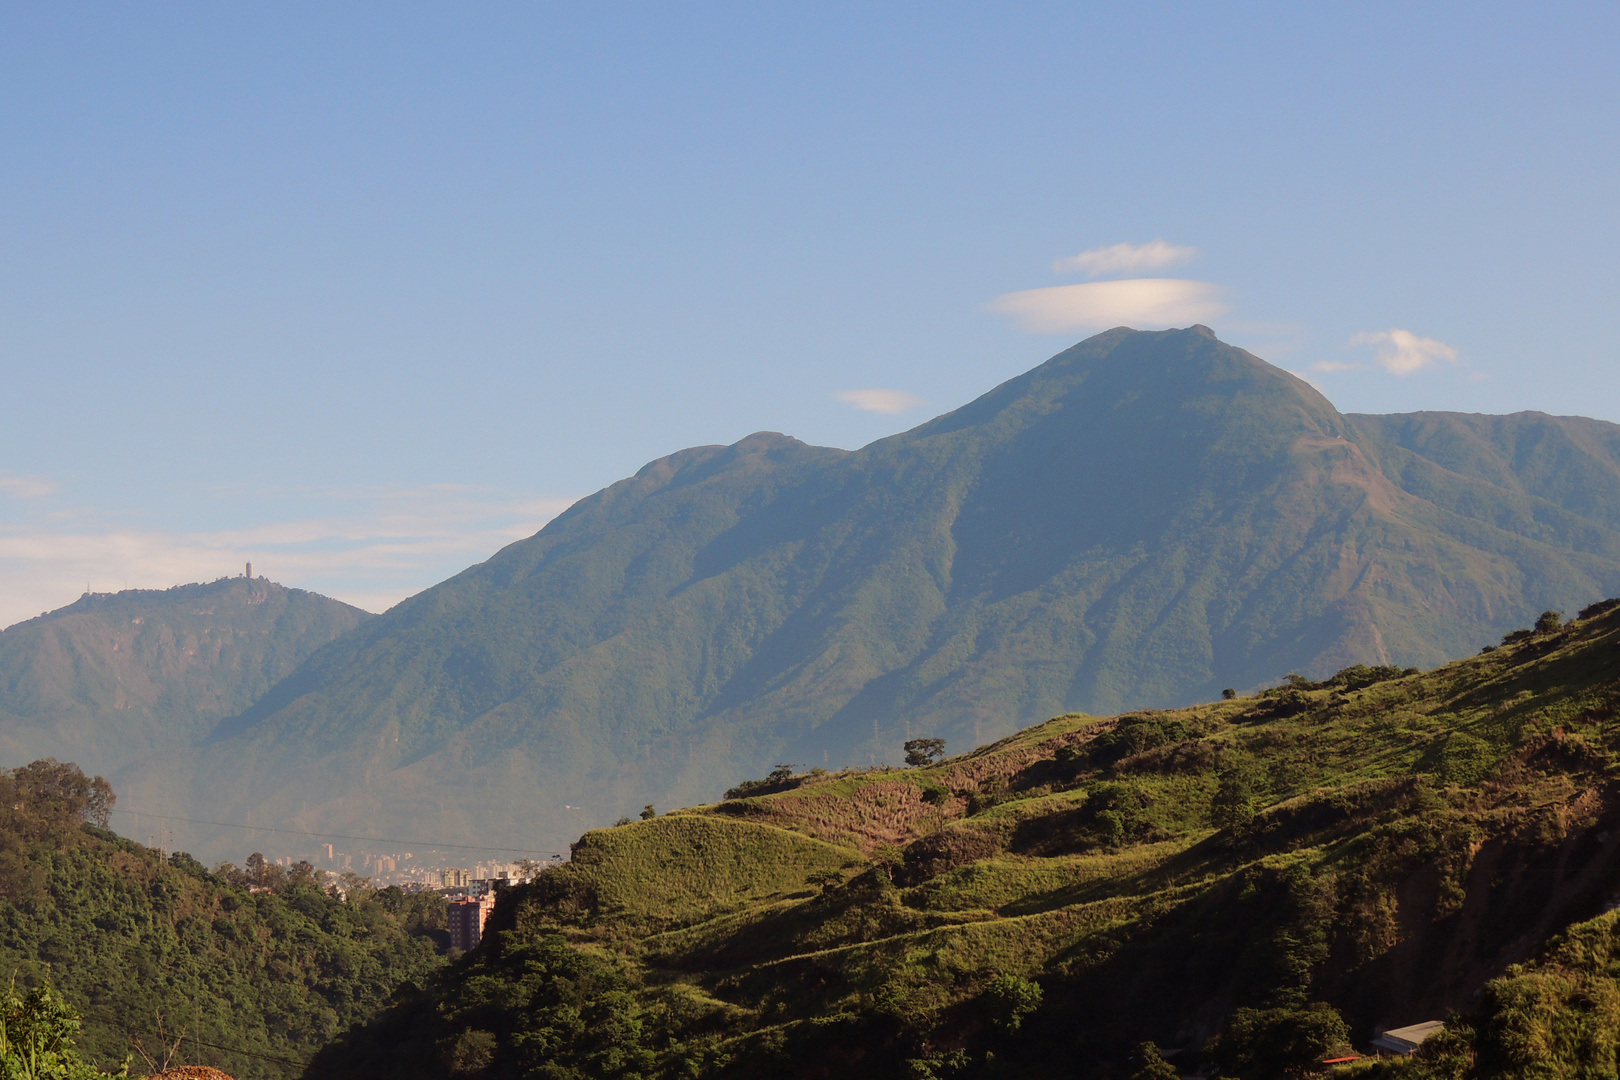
point(1141, 521)
point(117, 677)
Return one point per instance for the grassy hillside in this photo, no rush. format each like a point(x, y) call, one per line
point(117, 677)
point(1143, 520)
point(254, 974)
point(1251, 882)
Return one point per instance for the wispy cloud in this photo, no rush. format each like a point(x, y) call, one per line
point(25, 487)
point(378, 548)
point(1138, 302)
point(1401, 352)
point(888, 402)
point(1125, 259)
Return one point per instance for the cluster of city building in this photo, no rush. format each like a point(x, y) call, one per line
point(413, 871)
point(470, 890)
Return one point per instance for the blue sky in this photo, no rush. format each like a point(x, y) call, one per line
point(364, 292)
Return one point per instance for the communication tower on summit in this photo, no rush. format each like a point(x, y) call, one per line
point(248, 573)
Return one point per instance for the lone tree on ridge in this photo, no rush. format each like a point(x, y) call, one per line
point(921, 752)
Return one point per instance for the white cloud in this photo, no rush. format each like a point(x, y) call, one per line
point(1125, 259)
point(1139, 302)
point(383, 546)
point(879, 401)
point(1401, 352)
point(25, 487)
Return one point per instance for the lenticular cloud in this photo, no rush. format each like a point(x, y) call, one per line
point(879, 401)
point(1143, 303)
point(1125, 259)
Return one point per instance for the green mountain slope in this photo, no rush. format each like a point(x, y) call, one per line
point(1143, 520)
point(1257, 882)
point(255, 975)
point(115, 678)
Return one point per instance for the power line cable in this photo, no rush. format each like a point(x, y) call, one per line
point(131, 1029)
point(102, 1013)
point(339, 836)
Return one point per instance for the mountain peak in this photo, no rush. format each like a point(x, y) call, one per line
point(113, 677)
point(1144, 519)
point(761, 441)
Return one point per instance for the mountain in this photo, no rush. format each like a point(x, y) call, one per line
point(1142, 521)
point(118, 677)
point(1255, 883)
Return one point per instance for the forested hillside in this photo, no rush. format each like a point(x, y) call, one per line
point(114, 678)
point(1256, 883)
point(251, 972)
point(1142, 521)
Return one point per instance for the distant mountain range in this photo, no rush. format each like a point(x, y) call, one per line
point(1143, 520)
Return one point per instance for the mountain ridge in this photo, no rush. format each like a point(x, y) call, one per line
point(1143, 520)
point(113, 678)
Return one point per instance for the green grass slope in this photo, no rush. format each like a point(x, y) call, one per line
point(1141, 521)
point(143, 947)
point(675, 869)
point(1236, 882)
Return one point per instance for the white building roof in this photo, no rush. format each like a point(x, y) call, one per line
point(1407, 1039)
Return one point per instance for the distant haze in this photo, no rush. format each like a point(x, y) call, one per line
point(1143, 521)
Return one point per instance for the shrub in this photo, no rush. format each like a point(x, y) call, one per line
point(472, 1052)
point(1133, 735)
point(36, 1038)
point(1236, 795)
point(1593, 610)
point(1447, 1054)
point(823, 879)
point(1150, 1064)
point(1283, 702)
point(1549, 622)
point(780, 778)
point(979, 801)
point(1279, 1042)
point(1009, 999)
point(945, 850)
point(1357, 676)
point(938, 1066)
